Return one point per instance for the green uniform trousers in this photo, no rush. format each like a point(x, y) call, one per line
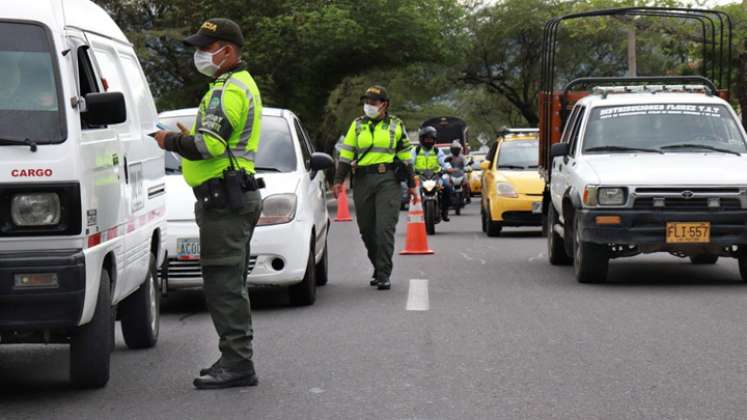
point(377, 200)
point(224, 256)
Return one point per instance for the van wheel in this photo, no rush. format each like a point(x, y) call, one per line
point(140, 312)
point(92, 344)
point(304, 293)
point(322, 269)
point(591, 261)
point(555, 244)
point(704, 259)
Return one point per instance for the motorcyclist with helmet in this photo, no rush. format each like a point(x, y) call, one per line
point(457, 159)
point(428, 157)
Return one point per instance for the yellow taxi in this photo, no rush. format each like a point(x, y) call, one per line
point(511, 184)
point(475, 176)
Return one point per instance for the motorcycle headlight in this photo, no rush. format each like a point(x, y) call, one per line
point(35, 209)
point(611, 196)
point(278, 209)
point(506, 190)
point(429, 185)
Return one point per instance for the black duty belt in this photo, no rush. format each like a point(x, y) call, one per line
point(214, 192)
point(380, 168)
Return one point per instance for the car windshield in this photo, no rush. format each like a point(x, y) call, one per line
point(682, 128)
point(29, 91)
point(519, 155)
point(276, 150)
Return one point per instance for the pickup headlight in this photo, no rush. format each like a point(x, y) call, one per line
point(506, 190)
point(611, 196)
point(604, 196)
point(278, 209)
point(35, 209)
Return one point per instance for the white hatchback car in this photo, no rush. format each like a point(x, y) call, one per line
point(289, 246)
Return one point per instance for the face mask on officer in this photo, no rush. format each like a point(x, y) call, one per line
point(372, 111)
point(204, 62)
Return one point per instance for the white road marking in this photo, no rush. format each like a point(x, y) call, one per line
point(468, 258)
point(417, 296)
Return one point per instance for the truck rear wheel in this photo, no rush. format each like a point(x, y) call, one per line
point(140, 312)
point(555, 244)
point(91, 345)
point(591, 261)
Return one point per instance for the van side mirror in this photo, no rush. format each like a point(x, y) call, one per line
point(485, 165)
point(105, 108)
point(560, 150)
point(321, 161)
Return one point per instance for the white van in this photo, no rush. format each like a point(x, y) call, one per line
point(82, 210)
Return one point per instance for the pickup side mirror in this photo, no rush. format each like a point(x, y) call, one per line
point(321, 161)
point(105, 108)
point(485, 165)
point(560, 150)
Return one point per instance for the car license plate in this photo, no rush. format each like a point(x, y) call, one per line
point(188, 248)
point(537, 207)
point(689, 233)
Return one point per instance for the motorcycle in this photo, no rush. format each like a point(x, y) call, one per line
point(456, 180)
point(429, 192)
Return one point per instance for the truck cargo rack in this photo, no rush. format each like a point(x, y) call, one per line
point(554, 105)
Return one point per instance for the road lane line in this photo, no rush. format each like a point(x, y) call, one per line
point(417, 295)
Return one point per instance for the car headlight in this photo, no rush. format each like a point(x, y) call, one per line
point(506, 190)
point(604, 196)
point(429, 185)
point(36, 209)
point(278, 209)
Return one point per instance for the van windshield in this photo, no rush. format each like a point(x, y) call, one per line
point(276, 149)
point(29, 91)
point(670, 128)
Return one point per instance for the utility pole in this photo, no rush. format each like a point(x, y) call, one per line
point(632, 57)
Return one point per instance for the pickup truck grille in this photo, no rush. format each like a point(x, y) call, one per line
point(179, 269)
point(688, 199)
point(683, 204)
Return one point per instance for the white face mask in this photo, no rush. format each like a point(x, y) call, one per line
point(204, 62)
point(371, 111)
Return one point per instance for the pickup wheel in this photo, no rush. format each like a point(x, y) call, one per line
point(555, 244)
point(304, 293)
point(591, 261)
point(704, 259)
point(742, 258)
point(91, 345)
point(140, 312)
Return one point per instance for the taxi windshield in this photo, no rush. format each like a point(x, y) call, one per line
point(29, 92)
point(519, 155)
point(680, 128)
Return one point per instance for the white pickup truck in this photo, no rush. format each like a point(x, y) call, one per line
point(644, 169)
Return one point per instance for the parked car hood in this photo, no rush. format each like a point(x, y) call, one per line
point(669, 169)
point(524, 182)
point(180, 199)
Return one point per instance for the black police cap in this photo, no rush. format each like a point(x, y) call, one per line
point(217, 29)
point(376, 93)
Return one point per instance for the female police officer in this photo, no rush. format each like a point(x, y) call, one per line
point(370, 149)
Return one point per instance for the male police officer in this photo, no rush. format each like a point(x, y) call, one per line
point(219, 164)
point(428, 158)
point(369, 150)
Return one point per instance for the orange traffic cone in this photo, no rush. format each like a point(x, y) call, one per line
point(343, 211)
point(417, 240)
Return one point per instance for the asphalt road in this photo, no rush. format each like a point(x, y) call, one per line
point(505, 336)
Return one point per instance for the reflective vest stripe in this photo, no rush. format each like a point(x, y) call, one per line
point(246, 134)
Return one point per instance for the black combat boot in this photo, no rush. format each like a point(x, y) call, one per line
point(221, 377)
point(384, 284)
point(375, 281)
